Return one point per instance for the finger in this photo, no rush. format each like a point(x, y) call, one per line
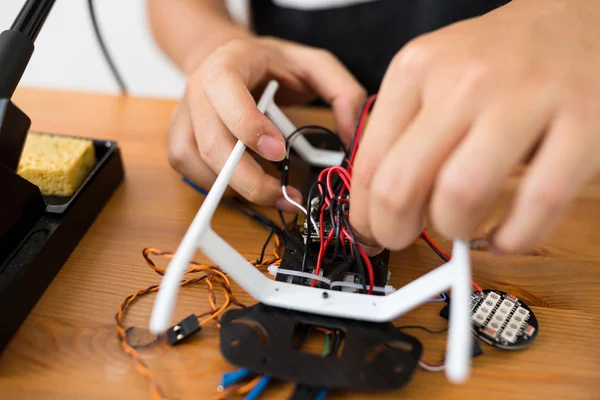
point(183, 152)
point(404, 180)
point(471, 179)
point(398, 103)
point(226, 82)
point(566, 161)
point(215, 144)
point(332, 81)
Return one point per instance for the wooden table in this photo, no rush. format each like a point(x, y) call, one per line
point(68, 348)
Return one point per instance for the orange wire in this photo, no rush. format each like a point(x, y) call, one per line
point(210, 273)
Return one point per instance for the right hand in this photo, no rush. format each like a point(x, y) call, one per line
point(219, 107)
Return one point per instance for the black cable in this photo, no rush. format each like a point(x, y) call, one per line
point(338, 230)
point(315, 128)
point(309, 221)
point(284, 224)
point(255, 215)
point(244, 209)
point(104, 49)
point(439, 253)
point(357, 256)
point(264, 248)
point(423, 329)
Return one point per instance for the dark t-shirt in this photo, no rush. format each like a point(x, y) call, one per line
point(364, 36)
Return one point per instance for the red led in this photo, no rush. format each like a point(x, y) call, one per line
point(529, 330)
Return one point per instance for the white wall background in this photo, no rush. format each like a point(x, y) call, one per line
point(67, 56)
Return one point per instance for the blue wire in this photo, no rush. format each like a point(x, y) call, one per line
point(229, 378)
point(259, 388)
point(198, 188)
point(440, 300)
point(321, 395)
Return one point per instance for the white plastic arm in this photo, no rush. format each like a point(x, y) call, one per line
point(454, 275)
point(310, 154)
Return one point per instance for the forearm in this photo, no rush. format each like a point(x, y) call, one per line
point(188, 30)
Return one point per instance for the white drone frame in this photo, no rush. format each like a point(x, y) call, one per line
point(454, 275)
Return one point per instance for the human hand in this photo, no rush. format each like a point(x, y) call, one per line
point(460, 108)
point(218, 108)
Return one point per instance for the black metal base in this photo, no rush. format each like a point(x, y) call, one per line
point(27, 270)
point(373, 357)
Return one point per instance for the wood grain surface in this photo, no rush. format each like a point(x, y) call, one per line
point(68, 349)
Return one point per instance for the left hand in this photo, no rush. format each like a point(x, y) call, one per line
point(461, 107)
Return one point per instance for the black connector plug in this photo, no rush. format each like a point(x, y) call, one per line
point(183, 330)
point(285, 169)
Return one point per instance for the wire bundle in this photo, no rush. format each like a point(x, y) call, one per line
point(334, 184)
point(211, 276)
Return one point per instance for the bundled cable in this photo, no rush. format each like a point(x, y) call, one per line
point(211, 276)
point(334, 186)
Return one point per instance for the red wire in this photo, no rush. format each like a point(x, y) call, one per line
point(346, 178)
point(438, 248)
point(323, 244)
point(434, 244)
point(365, 258)
point(369, 268)
point(361, 123)
point(343, 174)
point(432, 364)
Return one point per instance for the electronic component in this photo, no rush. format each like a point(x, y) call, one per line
point(339, 274)
point(183, 330)
point(502, 320)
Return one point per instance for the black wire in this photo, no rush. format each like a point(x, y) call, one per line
point(264, 248)
point(336, 250)
point(104, 49)
point(439, 253)
point(283, 223)
point(256, 216)
point(315, 128)
point(423, 329)
point(246, 210)
point(309, 221)
point(357, 256)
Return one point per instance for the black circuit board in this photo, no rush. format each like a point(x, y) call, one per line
point(340, 269)
point(502, 320)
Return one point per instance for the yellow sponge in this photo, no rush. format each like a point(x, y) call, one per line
point(55, 164)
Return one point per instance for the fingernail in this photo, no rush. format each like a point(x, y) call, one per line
point(271, 148)
point(285, 206)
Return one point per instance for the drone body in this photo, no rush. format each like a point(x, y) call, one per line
point(455, 275)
